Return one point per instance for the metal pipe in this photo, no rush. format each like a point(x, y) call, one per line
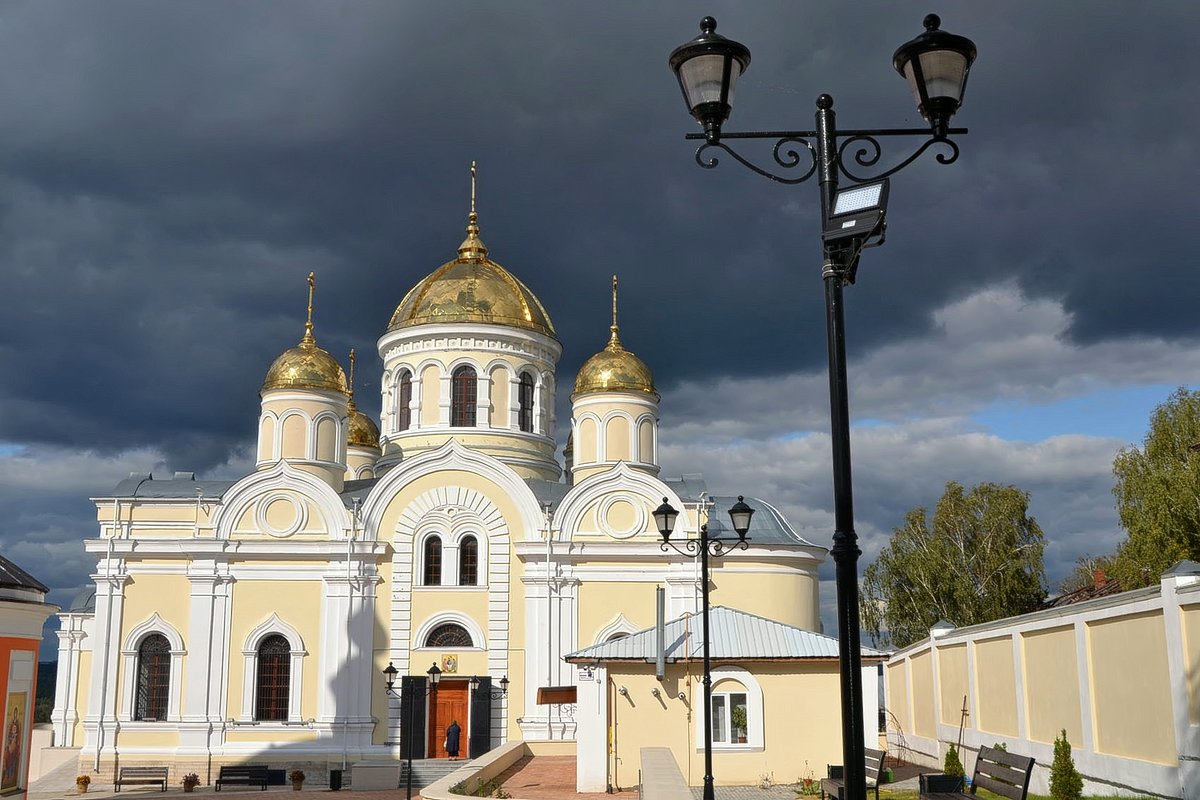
point(549, 617)
point(707, 679)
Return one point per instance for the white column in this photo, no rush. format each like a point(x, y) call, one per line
point(66, 683)
point(207, 657)
point(444, 400)
point(1019, 684)
point(100, 723)
point(591, 714)
point(1187, 738)
point(483, 400)
point(1086, 712)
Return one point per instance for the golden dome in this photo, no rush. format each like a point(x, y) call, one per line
point(363, 430)
point(472, 288)
point(306, 366)
point(614, 369)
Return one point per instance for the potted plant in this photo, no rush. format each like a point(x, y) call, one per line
point(737, 721)
point(81, 783)
point(297, 778)
point(190, 781)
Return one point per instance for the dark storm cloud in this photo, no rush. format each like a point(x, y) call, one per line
point(169, 173)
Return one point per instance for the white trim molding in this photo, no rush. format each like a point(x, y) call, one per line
point(754, 710)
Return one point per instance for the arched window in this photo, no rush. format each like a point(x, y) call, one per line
point(525, 403)
point(449, 635)
point(272, 680)
point(463, 393)
point(468, 561)
point(403, 407)
point(153, 678)
point(433, 561)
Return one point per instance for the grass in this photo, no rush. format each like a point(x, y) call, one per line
point(984, 794)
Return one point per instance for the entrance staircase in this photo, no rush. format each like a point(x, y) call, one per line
point(429, 770)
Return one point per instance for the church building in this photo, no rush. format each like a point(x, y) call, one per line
point(257, 619)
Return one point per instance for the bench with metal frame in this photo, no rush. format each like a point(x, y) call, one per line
point(242, 775)
point(997, 771)
point(835, 784)
point(146, 776)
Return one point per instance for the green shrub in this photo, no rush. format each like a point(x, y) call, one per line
point(1065, 781)
point(1000, 746)
point(952, 766)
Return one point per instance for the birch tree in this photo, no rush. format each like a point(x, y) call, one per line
point(1158, 493)
point(978, 558)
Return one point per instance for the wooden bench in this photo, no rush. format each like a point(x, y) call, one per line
point(835, 783)
point(995, 770)
point(141, 775)
point(243, 775)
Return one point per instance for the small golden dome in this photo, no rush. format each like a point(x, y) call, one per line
point(306, 366)
point(614, 369)
point(363, 430)
point(472, 288)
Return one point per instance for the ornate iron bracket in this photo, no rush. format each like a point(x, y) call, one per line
point(791, 146)
point(716, 547)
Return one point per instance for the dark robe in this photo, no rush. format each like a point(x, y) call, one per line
point(452, 736)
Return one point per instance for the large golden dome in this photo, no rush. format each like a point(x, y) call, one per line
point(306, 366)
point(472, 288)
point(614, 369)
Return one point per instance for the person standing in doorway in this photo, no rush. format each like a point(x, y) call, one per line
point(453, 733)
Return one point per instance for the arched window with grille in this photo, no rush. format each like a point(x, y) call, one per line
point(464, 389)
point(272, 682)
point(153, 678)
point(432, 561)
point(525, 403)
point(468, 561)
point(449, 634)
point(404, 402)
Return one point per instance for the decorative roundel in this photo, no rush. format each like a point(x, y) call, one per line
point(281, 515)
point(621, 516)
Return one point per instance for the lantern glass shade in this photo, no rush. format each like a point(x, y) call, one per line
point(435, 675)
point(390, 672)
point(936, 65)
point(708, 68)
point(740, 515)
point(474, 683)
point(504, 684)
point(664, 518)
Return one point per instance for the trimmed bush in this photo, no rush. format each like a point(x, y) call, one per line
point(952, 765)
point(1065, 781)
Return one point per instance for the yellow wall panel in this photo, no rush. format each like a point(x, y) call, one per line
point(952, 675)
point(996, 686)
point(1131, 696)
point(896, 697)
point(253, 602)
point(1191, 659)
point(921, 667)
point(1052, 685)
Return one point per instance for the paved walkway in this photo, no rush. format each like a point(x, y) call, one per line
point(540, 778)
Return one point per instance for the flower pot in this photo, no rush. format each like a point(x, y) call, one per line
point(296, 785)
point(187, 787)
point(81, 788)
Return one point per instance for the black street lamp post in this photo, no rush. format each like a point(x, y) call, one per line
point(664, 517)
point(936, 65)
point(435, 675)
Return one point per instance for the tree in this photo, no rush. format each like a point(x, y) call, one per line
point(978, 559)
point(1158, 493)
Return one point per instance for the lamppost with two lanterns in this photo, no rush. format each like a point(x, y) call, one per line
point(936, 65)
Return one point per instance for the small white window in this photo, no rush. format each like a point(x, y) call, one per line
point(730, 724)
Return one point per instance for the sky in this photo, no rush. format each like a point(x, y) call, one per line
point(171, 172)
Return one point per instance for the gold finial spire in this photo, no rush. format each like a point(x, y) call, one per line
point(614, 342)
point(308, 326)
point(473, 247)
point(351, 391)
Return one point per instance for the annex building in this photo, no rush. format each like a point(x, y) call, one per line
point(253, 619)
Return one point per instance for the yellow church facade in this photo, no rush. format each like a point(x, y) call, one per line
point(253, 619)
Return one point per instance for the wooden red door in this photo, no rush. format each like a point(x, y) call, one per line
point(448, 703)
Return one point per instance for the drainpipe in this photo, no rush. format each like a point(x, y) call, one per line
point(107, 634)
point(549, 618)
point(349, 633)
